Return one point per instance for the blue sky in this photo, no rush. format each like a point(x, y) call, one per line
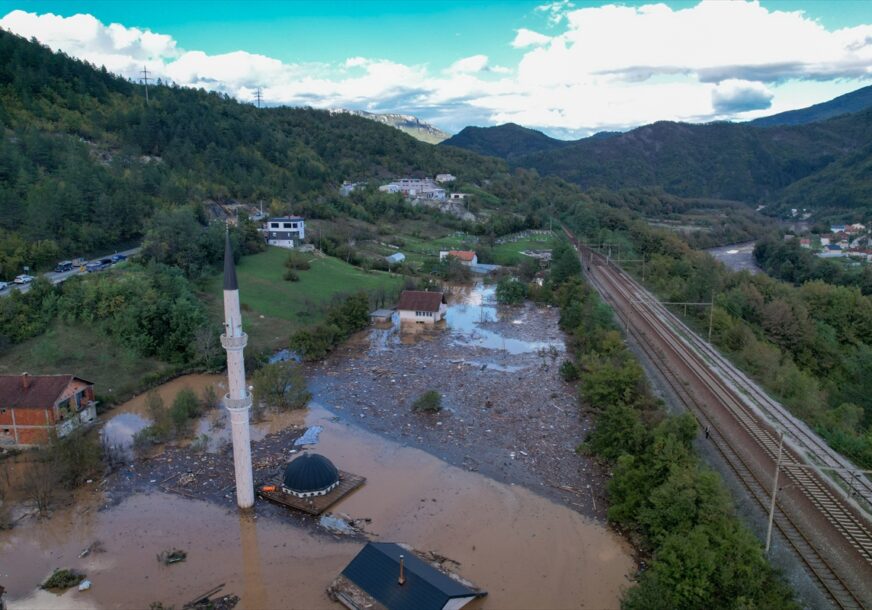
point(567, 68)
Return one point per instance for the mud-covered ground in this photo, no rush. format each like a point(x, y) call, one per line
point(506, 411)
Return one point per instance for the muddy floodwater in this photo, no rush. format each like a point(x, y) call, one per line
point(525, 550)
point(492, 482)
point(737, 257)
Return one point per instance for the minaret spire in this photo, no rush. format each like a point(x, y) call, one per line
point(238, 399)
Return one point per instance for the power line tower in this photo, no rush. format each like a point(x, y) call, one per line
point(258, 97)
point(144, 78)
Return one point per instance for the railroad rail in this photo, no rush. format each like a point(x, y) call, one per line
point(825, 529)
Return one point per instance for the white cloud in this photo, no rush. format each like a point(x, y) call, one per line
point(469, 65)
point(606, 67)
point(556, 11)
point(529, 38)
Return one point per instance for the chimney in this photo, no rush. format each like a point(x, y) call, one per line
point(25, 380)
point(402, 580)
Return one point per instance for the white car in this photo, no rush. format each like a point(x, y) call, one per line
point(23, 279)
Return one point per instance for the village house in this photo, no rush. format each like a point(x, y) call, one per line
point(349, 187)
point(32, 407)
point(805, 242)
point(286, 231)
point(467, 257)
point(421, 307)
point(415, 188)
point(443, 178)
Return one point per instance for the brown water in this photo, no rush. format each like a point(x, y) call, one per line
point(526, 551)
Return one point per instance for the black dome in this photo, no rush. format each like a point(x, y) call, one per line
point(310, 472)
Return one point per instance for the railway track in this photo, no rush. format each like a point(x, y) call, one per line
point(827, 532)
point(852, 481)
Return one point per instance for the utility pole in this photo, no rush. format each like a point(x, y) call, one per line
point(711, 316)
point(145, 79)
point(774, 491)
point(258, 97)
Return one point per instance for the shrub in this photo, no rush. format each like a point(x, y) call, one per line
point(510, 291)
point(291, 276)
point(281, 386)
point(569, 371)
point(428, 402)
point(63, 579)
point(297, 261)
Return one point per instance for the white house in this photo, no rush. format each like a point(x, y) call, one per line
point(443, 178)
point(421, 307)
point(286, 231)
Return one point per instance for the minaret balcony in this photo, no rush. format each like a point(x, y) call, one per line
point(237, 403)
point(234, 343)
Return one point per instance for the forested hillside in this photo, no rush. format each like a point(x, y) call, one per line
point(507, 141)
point(822, 166)
point(84, 160)
point(855, 101)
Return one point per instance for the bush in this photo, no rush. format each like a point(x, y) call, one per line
point(297, 261)
point(428, 402)
point(568, 371)
point(510, 291)
point(291, 276)
point(63, 579)
point(281, 386)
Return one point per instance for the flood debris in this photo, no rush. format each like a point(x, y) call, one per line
point(210, 600)
point(501, 394)
point(94, 547)
point(62, 579)
point(84, 585)
point(309, 437)
point(172, 556)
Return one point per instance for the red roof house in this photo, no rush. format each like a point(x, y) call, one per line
point(421, 306)
point(34, 406)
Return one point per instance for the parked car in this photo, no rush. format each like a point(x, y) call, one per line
point(3, 285)
point(95, 266)
point(117, 258)
point(64, 266)
point(105, 262)
point(23, 279)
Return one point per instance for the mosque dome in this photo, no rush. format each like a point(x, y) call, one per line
point(310, 474)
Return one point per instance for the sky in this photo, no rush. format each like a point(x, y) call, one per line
point(567, 68)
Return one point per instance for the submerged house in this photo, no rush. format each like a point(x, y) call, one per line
point(32, 407)
point(385, 575)
point(421, 307)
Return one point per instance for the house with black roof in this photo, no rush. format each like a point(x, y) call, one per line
point(388, 576)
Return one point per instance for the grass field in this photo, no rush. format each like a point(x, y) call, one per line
point(83, 351)
point(274, 308)
point(510, 254)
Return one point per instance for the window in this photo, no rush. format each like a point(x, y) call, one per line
point(274, 225)
point(5, 430)
point(286, 225)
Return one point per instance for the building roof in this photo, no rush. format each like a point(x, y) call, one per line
point(33, 391)
point(281, 218)
point(229, 267)
point(464, 255)
point(420, 300)
point(310, 472)
point(396, 257)
point(376, 570)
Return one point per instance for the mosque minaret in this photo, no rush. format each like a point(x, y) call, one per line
point(238, 399)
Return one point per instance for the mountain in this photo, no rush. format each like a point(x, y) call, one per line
point(85, 161)
point(506, 141)
point(406, 123)
point(855, 101)
point(719, 160)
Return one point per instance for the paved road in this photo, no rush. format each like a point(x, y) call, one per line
point(57, 278)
